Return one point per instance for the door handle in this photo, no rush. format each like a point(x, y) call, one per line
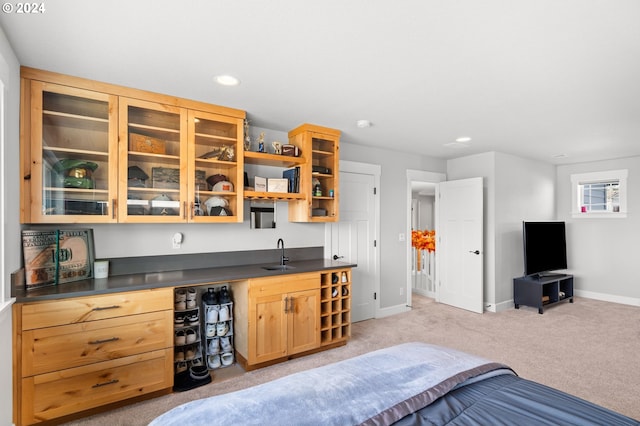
point(336, 257)
point(475, 252)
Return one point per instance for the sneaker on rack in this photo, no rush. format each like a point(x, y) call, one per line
point(190, 353)
point(212, 314)
point(222, 328)
point(190, 304)
point(211, 330)
point(213, 361)
point(214, 346)
point(224, 295)
point(181, 366)
point(181, 295)
point(181, 305)
point(225, 343)
point(227, 358)
point(193, 318)
point(192, 293)
point(223, 315)
point(179, 320)
point(191, 336)
point(181, 338)
point(179, 356)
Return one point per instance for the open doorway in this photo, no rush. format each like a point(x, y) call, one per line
point(421, 221)
point(423, 261)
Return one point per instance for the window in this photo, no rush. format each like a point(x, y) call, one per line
point(599, 194)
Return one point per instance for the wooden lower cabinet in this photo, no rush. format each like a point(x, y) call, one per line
point(77, 354)
point(277, 317)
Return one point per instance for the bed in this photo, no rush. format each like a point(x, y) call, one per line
point(408, 384)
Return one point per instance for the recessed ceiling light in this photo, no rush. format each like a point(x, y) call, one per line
point(464, 139)
point(227, 80)
point(362, 124)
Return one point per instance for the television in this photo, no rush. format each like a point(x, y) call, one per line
point(545, 248)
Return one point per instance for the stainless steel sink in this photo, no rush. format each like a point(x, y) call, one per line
point(278, 267)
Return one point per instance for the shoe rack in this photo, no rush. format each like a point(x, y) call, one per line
point(335, 306)
point(188, 347)
point(217, 334)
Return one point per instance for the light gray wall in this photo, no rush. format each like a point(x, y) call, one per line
point(393, 214)
point(516, 189)
point(602, 253)
point(10, 74)
point(524, 190)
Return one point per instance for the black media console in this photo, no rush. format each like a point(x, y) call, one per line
point(541, 291)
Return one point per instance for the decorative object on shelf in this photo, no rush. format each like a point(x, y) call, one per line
point(261, 142)
point(290, 150)
point(136, 177)
point(165, 178)
point(74, 173)
point(277, 147)
point(213, 179)
point(57, 256)
point(277, 185)
point(218, 206)
point(163, 205)
point(146, 144)
point(223, 186)
point(247, 137)
point(222, 153)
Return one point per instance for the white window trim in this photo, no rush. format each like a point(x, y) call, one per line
point(581, 178)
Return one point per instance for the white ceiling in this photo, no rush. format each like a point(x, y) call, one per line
point(535, 78)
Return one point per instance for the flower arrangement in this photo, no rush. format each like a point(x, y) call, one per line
point(424, 240)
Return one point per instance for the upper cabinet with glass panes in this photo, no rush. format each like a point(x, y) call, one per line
point(94, 152)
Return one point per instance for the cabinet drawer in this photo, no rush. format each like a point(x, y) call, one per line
point(74, 345)
point(53, 395)
point(283, 284)
point(81, 309)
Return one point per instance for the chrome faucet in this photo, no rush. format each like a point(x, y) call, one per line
point(283, 258)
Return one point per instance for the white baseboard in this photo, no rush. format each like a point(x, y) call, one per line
point(392, 310)
point(633, 301)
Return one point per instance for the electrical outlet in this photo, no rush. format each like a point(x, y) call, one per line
point(401, 291)
point(401, 237)
point(177, 240)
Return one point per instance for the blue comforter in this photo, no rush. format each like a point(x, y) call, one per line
point(379, 387)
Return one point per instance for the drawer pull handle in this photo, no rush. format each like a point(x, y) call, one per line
point(103, 308)
point(110, 382)
point(97, 342)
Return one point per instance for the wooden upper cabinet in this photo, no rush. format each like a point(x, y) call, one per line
point(215, 155)
point(93, 152)
point(71, 137)
point(153, 162)
point(319, 176)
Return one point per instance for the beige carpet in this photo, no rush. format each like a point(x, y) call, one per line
point(589, 349)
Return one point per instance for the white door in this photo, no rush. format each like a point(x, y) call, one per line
point(459, 246)
point(353, 239)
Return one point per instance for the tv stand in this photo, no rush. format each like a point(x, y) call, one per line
point(541, 291)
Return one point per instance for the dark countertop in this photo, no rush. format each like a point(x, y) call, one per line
point(145, 281)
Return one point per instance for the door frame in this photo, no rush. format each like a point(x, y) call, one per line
point(417, 176)
point(365, 169)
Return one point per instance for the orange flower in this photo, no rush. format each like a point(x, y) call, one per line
point(424, 240)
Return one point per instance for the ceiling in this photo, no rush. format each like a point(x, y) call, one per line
point(552, 80)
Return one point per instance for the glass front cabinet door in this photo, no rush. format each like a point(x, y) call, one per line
point(215, 168)
point(153, 159)
point(74, 144)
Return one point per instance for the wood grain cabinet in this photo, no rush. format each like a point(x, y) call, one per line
point(93, 152)
point(277, 317)
point(77, 354)
point(319, 175)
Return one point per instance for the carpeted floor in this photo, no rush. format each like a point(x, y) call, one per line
point(589, 349)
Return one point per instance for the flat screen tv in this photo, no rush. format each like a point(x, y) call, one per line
point(545, 247)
